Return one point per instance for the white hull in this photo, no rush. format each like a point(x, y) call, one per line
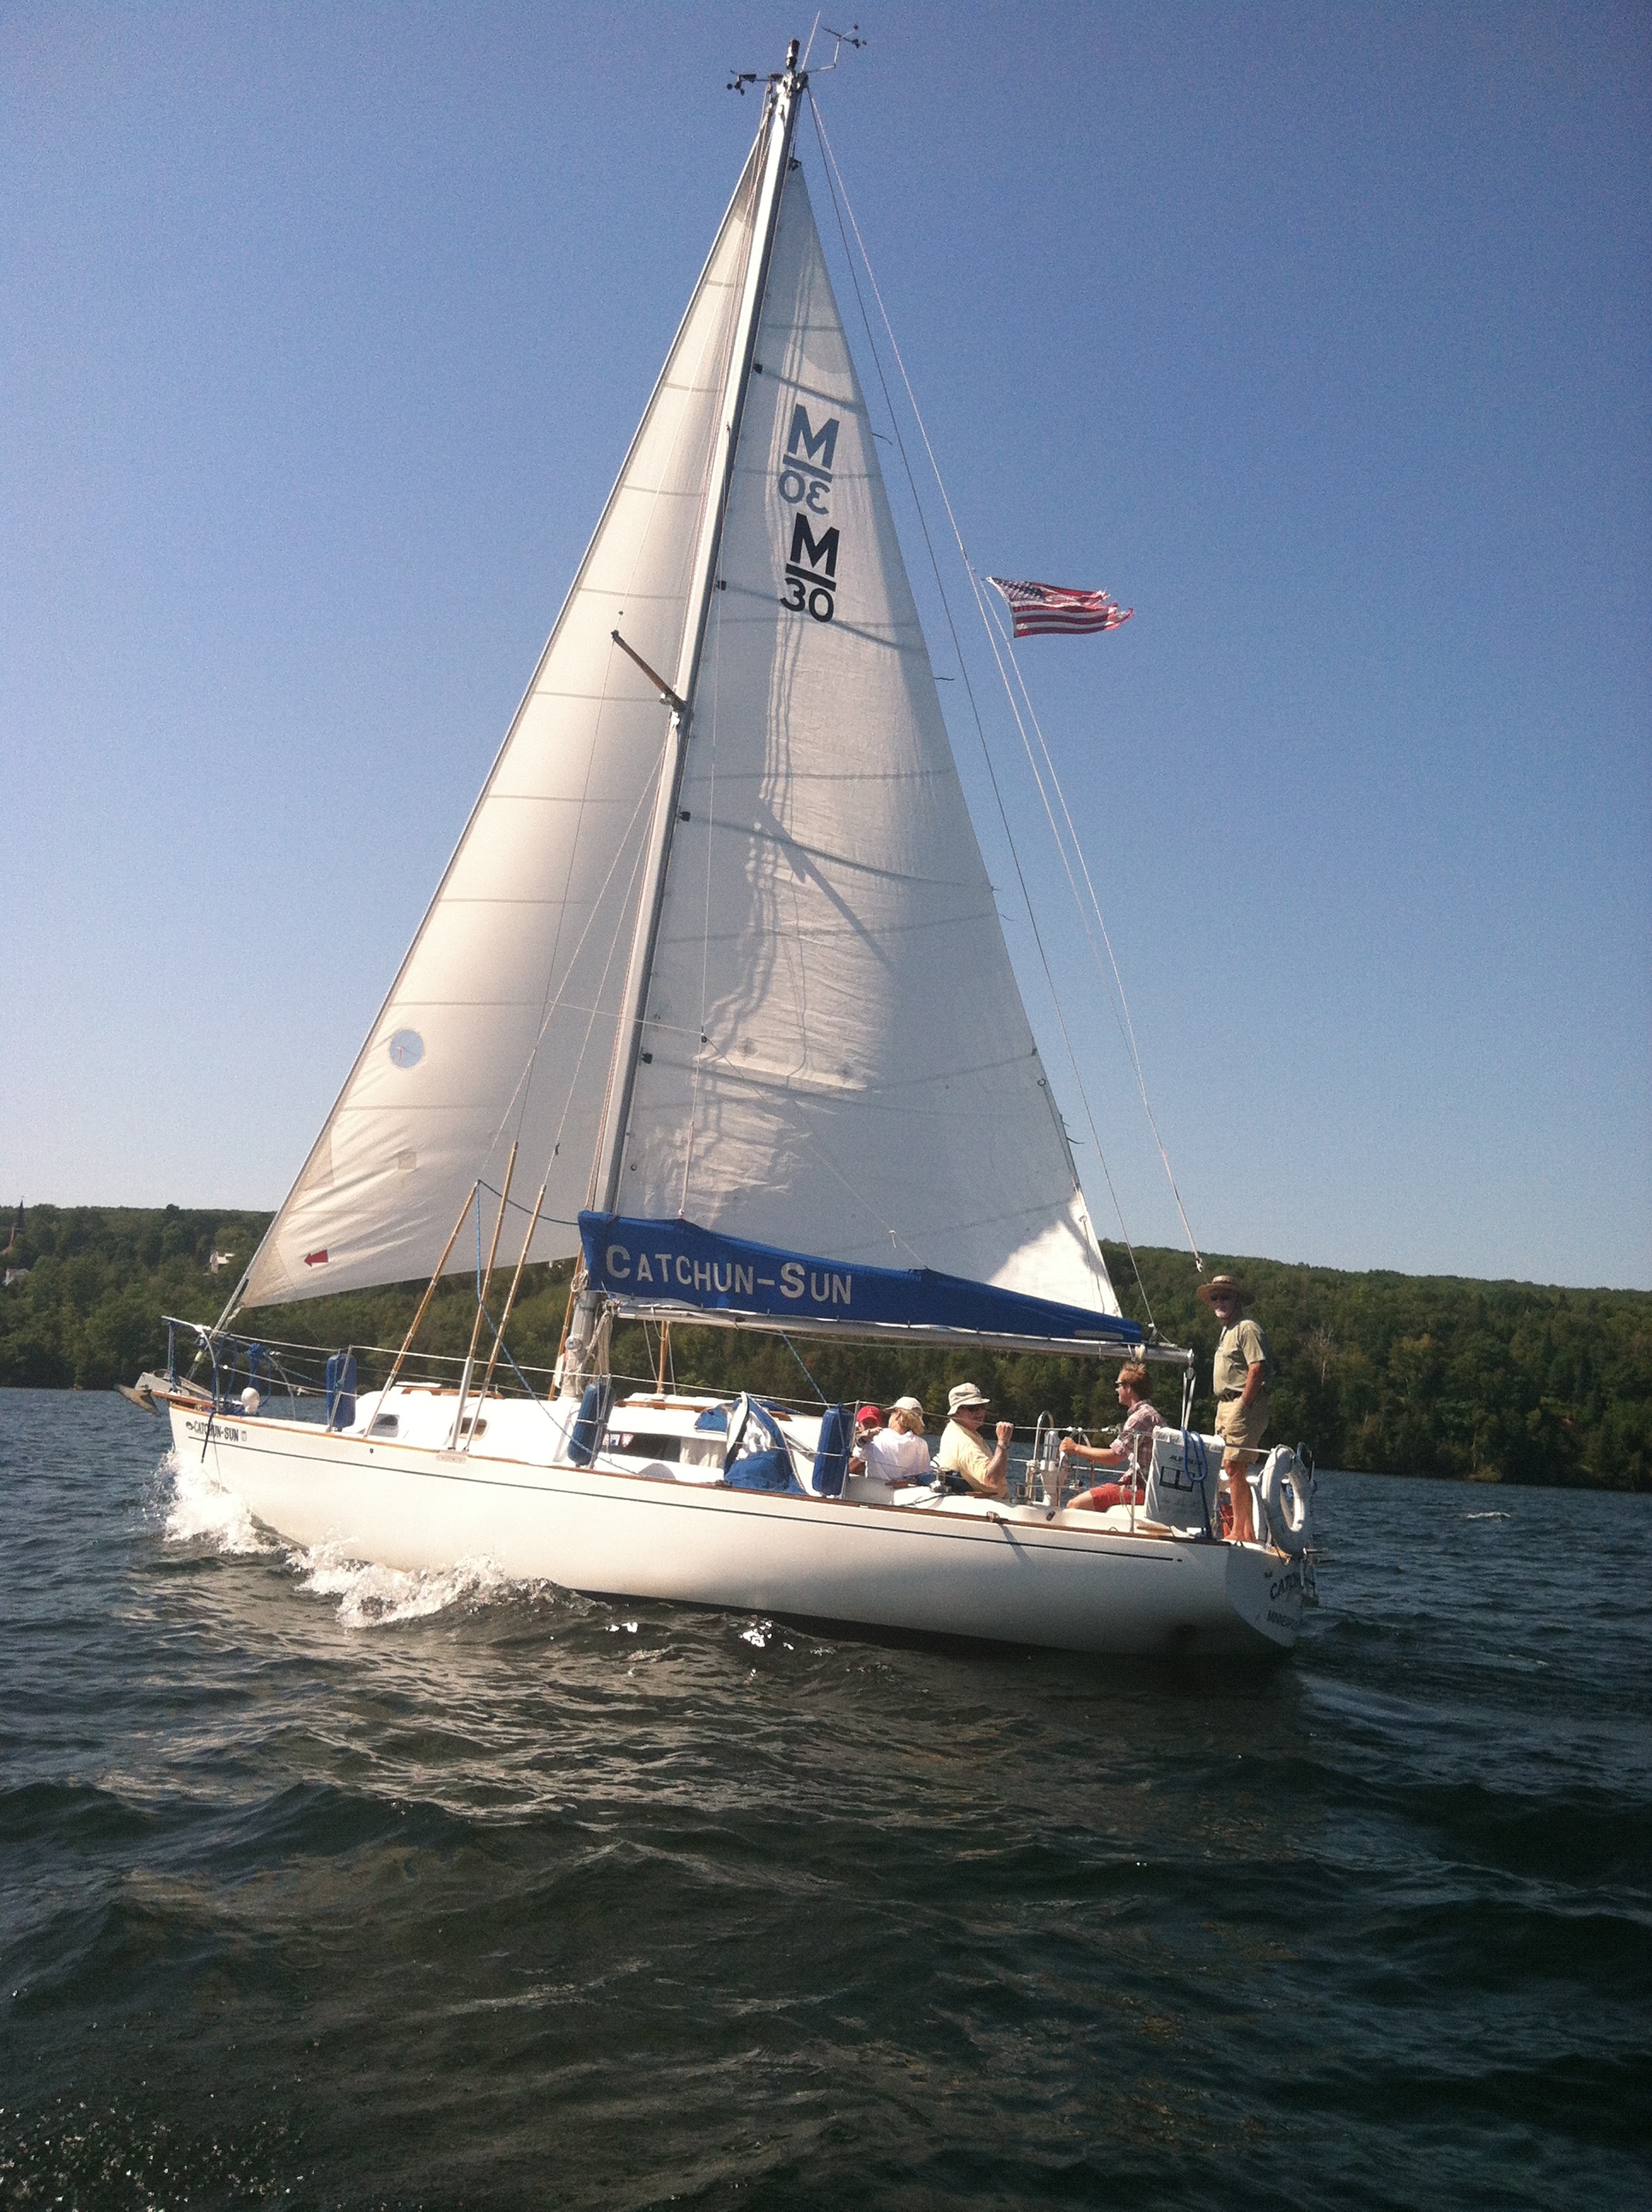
point(961, 1568)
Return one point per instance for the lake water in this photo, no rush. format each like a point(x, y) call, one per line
point(326, 1886)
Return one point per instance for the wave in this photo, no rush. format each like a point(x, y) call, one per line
point(197, 1510)
point(372, 1597)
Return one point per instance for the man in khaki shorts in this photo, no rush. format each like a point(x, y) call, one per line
point(1241, 1373)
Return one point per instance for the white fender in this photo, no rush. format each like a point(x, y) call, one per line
point(1287, 1523)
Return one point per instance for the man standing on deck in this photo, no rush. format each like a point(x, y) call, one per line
point(1242, 1371)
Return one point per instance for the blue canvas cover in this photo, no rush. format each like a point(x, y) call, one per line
point(764, 1470)
point(341, 1390)
point(768, 1467)
point(645, 1265)
point(591, 1422)
point(260, 1370)
point(832, 1452)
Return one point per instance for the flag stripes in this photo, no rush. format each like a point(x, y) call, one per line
point(1050, 609)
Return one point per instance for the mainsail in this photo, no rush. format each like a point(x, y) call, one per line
point(501, 1023)
point(836, 1059)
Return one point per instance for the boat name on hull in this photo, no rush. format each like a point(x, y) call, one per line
point(221, 1430)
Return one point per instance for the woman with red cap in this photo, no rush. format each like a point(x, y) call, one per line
point(867, 1422)
point(898, 1454)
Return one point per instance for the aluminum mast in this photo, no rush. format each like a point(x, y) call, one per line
point(780, 122)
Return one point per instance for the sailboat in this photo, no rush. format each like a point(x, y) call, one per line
point(717, 951)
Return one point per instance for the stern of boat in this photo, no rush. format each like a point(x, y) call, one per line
point(1265, 1590)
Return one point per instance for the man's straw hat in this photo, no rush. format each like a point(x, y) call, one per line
point(1216, 1285)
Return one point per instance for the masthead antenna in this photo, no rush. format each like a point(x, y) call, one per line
point(739, 79)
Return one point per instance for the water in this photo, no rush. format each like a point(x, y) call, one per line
point(332, 1887)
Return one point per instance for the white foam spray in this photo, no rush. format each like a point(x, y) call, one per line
point(196, 1509)
point(374, 1597)
point(199, 1510)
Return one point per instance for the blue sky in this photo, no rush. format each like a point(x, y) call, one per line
point(1318, 334)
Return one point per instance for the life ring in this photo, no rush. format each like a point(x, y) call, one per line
point(1288, 1524)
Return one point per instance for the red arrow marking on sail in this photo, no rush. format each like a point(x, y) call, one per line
point(315, 1259)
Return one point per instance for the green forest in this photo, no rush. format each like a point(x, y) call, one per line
point(1381, 1373)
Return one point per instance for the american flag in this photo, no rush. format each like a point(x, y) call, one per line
point(1048, 609)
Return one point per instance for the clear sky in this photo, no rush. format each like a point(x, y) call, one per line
point(1319, 334)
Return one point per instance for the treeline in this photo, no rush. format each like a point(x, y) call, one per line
point(1385, 1373)
point(1436, 1374)
point(87, 1314)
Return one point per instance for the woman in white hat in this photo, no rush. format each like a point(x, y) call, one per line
point(898, 1454)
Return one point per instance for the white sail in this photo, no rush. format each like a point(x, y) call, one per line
point(836, 1059)
point(501, 1023)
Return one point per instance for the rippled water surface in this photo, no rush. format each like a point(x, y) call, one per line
point(334, 1887)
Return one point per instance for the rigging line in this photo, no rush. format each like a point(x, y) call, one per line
point(987, 615)
point(708, 339)
point(524, 1205)
point(1049, 814)
point(607, 968)
point(1118, 1004)
point(716, 344)
point(958, 534)
point(705, 932)
point(807, 1376)
point(638, 860)
point(1127, 1026)
point(725, 503)
point(836, 186)
point(524, 1083)
point(858, 1196)
point(560, 1000)
point(502, 1346)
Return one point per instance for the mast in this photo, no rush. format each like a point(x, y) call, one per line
point(780, 122)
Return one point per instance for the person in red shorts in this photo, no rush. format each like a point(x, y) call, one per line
point(1132, 1454)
